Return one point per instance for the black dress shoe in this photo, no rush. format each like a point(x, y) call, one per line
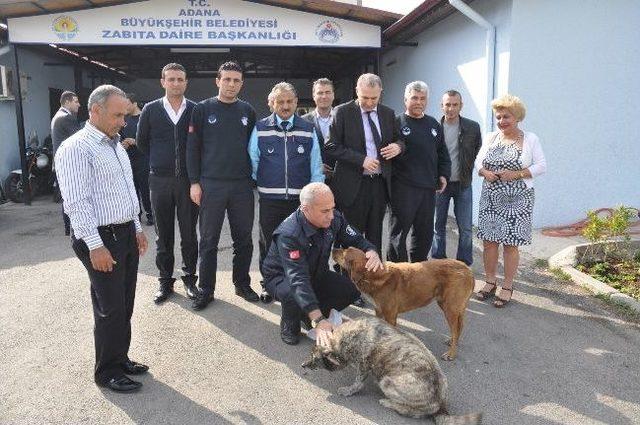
point(191, 290)
point(122, 384)
point(247, 293)
point(163, 293)
point(360, 302)
point(201, 301)
point(290, 331)
point(133, 368)
point(265, 297)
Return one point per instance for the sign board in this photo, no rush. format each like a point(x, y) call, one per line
point(193, 23)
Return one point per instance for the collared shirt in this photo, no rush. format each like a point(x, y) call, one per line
point(372, 149)
point(324, 123)
point(316, 157)
point(175, 116)
point(96, 183)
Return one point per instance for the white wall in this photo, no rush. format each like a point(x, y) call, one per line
point(575, 64)
point(451, 55)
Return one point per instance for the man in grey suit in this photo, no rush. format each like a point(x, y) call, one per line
point(63, 125)
point(323, 96)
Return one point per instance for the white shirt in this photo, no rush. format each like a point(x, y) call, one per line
point(372, 149)
point(96, 183)
point(175, 116)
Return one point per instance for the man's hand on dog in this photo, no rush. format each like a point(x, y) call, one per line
point(373, 261)
point(324, 329)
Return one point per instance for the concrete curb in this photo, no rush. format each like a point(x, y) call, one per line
point(566, 259)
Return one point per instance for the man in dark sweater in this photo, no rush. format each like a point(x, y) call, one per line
point(422, 171)
point(220, 175)
point(139, 162)
point(162, 136)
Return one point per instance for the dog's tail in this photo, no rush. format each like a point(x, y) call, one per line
point(442, 418)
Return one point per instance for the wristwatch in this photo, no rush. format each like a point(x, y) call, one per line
point(316, 322)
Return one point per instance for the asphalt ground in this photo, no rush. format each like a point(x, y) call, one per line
point(555, 355)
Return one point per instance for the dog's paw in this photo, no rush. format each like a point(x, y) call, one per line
point(347, 391)
point(448, 356)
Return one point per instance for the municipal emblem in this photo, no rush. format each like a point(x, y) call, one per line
point(350, 231)
point(329, 31)
point(244, 121)
point(406, 131)
point(65, 27)
point(434, 132)
point(300, 149)
point(212, 119)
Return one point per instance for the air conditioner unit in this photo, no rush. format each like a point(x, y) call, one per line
point(6, 83)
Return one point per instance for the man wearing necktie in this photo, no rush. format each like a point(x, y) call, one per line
point(285, 156)
point(363, 137)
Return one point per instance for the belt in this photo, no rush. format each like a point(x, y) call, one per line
point(113, 227)
point(373, 176)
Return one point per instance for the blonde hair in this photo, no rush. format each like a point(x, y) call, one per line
point(511, 103)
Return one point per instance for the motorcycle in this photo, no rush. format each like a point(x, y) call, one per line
point(39, 166)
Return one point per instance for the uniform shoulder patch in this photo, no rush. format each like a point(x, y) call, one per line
point(294, 255)
point(350, 231)
point(434, 132)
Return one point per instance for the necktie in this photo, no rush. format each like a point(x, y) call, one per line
point(374, 130)
point(284, 125)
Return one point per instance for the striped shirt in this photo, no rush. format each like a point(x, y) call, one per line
point(94, 174)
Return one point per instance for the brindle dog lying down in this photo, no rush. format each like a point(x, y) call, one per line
point(403, 287)
point(406, 371)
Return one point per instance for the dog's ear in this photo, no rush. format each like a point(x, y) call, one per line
point(331, 362)
point(314, 358)
point(355, 261)
point(338, 256)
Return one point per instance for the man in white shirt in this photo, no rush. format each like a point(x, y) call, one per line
point(162, 136)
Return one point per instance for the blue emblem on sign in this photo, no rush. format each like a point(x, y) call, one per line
point(329, 31)
point(212, 119)
point(406, 131)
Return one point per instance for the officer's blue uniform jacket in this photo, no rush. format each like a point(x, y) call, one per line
point(284, 160)
point(297, 254)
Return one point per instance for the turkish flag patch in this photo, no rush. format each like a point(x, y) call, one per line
point(191, 129)
point(294, 255)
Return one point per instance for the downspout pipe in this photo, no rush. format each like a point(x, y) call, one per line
point(490, 53)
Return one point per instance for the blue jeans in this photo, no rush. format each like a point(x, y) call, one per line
point(463, 210)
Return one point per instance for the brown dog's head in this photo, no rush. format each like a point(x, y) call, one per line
point(354, 261)
point(323, 357)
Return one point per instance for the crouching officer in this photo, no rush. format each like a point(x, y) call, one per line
point(296, 268)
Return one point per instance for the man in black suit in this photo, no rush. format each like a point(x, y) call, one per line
point(363, 138)
point(63, 125)
point(323, 96)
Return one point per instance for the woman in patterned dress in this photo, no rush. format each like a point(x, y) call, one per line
point(508, 160)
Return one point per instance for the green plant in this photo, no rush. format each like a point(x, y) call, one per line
point(614, 227)
point(540, 263)
point(560, 274)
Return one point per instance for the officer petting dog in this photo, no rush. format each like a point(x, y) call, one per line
point(296, 268)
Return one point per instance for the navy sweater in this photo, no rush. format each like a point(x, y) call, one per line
point(218, 140)
point(163, 142)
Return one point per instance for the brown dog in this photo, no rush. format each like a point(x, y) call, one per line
point(402, 287)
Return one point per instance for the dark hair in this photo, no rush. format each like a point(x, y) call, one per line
point(453, 93)
point(175, 67)
point(229, 66)
point(67, 96)
point(132, 97)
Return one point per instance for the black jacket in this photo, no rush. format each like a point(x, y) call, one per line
point(469, 143)
point(347, 144)
point(163, 142)
point(63, 125)
point(291, 248)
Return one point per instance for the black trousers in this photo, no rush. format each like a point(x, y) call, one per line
point(140, 168)
point(411, 207)
point(367, 212)
point(112, 296)
point(235, 197)
point(170, 197)
point(272, 212)
point(333, 290)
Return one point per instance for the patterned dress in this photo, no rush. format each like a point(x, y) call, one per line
point(506, 207)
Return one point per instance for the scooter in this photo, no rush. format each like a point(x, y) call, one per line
point(39, 165)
